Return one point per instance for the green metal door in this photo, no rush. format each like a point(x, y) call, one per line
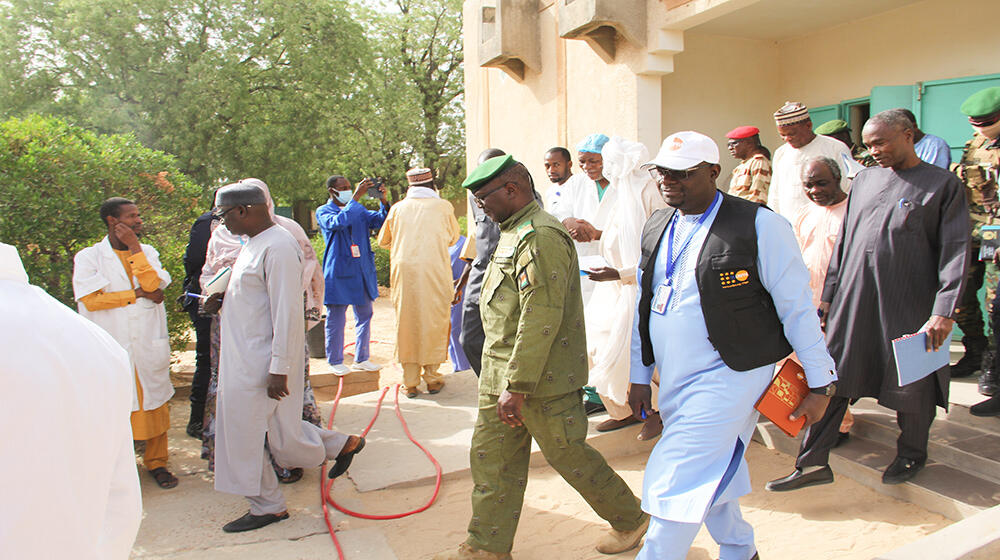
point(937, 106)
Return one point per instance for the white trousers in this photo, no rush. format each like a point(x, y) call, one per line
point(271, 500)
point(670, 540)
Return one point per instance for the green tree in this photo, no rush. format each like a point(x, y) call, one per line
point(420, 54)
point(232, 88)
point(54, 176)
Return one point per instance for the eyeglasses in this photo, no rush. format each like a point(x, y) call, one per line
point(734, 142)
point(220, 214)
point(674, 174)
point(479, 200)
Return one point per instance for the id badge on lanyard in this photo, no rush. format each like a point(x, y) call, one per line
point(663, 291)
point(355, 251)
point(661, 298)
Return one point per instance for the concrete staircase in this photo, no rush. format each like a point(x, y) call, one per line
point(962, 476)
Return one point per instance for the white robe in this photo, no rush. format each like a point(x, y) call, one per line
point(610, 309)
point(263, 332)
point(578, 199)
point(706, 407)
point(69, 483)
point(786, 195)
point(141, 328)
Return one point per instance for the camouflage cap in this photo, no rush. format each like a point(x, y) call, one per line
point(982, 103)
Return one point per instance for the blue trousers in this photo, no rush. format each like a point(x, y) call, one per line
point(670, 540)
point(336, 320)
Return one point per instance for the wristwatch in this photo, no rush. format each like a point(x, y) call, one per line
point(826, 390)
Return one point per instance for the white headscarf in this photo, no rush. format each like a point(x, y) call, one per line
point(11, 267)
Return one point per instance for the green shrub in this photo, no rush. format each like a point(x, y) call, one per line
point(54, 176)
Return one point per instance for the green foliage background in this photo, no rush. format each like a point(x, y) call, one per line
point(290, 91)
point(54, 176)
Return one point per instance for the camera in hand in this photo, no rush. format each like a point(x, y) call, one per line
point(373, 191)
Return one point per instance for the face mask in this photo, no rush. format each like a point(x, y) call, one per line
point(344, 197)
point(992, 131)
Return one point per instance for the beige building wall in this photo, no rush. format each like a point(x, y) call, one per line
point(719, 81)
point(931, 40)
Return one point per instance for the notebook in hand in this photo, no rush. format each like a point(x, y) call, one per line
point(218, 283)
point(913, 361)
point(783, 396)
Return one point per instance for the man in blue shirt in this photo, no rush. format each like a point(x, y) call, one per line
point(349, 268)
point(932, 149)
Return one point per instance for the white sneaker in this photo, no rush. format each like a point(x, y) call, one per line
point(366, 365)
point(341, 370)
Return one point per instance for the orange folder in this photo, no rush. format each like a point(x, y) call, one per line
point(783, 396)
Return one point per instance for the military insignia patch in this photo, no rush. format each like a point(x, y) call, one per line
point(734, 278)
point(523, 282)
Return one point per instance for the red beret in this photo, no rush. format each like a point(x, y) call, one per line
point(741, 132)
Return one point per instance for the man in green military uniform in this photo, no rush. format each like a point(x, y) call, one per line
point(534, 366)
point(978, 170)
point(838, 129)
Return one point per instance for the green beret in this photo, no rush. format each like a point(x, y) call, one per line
point(832, 127)
point(487, 171)
point(983, 102)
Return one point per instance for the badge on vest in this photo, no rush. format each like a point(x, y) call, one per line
point(734, 278)
point(355, 251)
point(660, 299)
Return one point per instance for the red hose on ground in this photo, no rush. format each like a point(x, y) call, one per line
point(326, 484)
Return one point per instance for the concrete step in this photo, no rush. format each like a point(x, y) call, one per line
point(938, 487)
point(966, 449)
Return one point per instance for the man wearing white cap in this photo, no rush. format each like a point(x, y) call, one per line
point(787, 194)
point(724, 295)
point(91, 509)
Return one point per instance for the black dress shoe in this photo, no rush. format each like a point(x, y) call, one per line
point(798, 480)
point(989, 381)
point(592, 407)
point(900, 470)
point(989, 407)
point(249, 522)
point(967, 365)
point(194, 429)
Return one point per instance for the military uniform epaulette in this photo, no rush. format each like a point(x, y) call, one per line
point(525, 229)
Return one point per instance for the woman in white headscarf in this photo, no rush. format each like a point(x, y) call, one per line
point(223, 248)
point(611, 309)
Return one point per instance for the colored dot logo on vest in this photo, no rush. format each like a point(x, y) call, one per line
point(742, 275)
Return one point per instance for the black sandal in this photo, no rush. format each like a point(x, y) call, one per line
point(163, 477)
point(294, 475)
point(344, 460)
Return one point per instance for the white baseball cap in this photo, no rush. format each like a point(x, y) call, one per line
point(684, 150)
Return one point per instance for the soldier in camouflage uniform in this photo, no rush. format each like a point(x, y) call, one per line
point(978, 170)
point(839, 130)
point(534, 366)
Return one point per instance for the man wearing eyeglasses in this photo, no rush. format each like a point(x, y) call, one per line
point(534, 365)
point(261, 362)
point(724, 295)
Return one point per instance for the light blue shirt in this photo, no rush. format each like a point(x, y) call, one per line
point(934, 150)
point(681, 333)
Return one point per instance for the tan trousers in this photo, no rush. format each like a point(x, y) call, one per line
point(411, 374)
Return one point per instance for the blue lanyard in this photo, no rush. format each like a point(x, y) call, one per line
point(671, 262)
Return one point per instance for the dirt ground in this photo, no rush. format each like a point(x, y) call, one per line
point(844, 520)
